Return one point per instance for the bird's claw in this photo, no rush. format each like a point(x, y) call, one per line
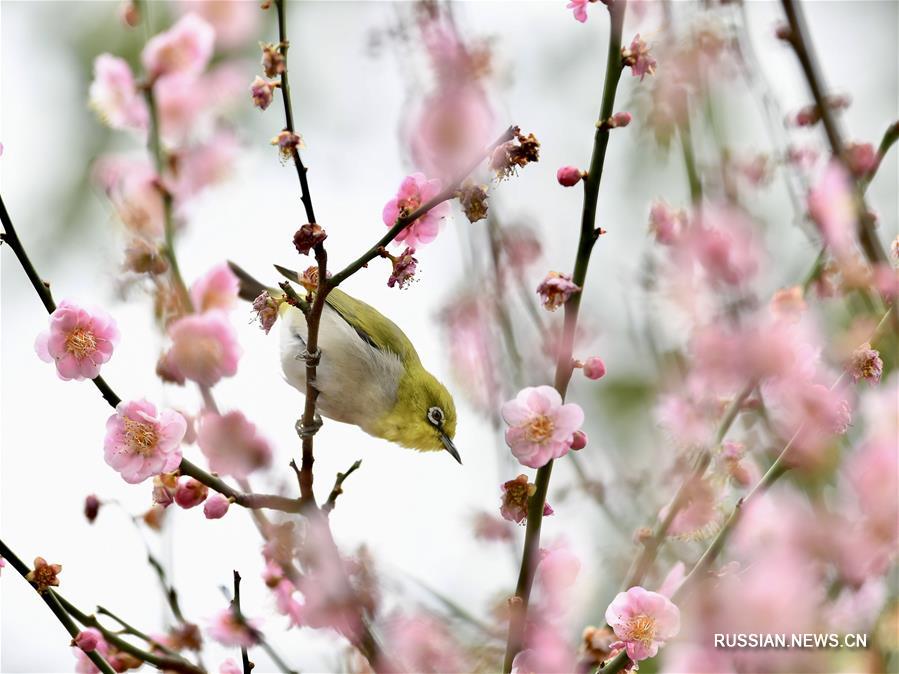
point(312, 359)
point(311, 429)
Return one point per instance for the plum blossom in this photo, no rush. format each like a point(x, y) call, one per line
point(190, 492)
point(113, 94)
point(515, 497)
point(569, 176)
point(262, 92)
point(579, 440)
point(228, 630)
point(403, 268)
point(639, 59)
point(424, 644)
point(216, 507)
point(88, 639)
point(861, 159)
point(555, 290)
point(78, 341)
point(186, 47)
point(232, 445)
point(217, 289)
point(643, 621)
point(666, 223)
point(141, 442)
point(723, 245)
point(831, 204)
point(133, 188)
point(414, 191)
point(234, 22)
point(229, 666)
point(44, 575)
point(579, 8)
point(204, 348)
point(541, 427)
point(594, 368)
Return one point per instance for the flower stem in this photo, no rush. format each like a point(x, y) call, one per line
point(564, 365)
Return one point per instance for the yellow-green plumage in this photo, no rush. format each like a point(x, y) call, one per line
point(369, 374)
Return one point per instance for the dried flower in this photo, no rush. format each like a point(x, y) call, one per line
point(643, 621)
point(515, 154)
point(414, 191)
point(473, 199)
point(541, 427)
point(263, 92)
point(190, 492)
point(514, 503)
point(78, 341)
point(596, 644)
point(404, 267)
point(216, 506)
point(866, 364)
point(639, 59)
point(143, 257)
point(569, 176)
point(555, 290)
point(43, 575)
point(91, 507)
point(287, 144)
point(141, 443)
point(308, 237)
point(272, 59)
point(265, 307)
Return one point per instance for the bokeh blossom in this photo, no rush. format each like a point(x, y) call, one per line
point(217, 289)
point(142, 442)
point(204, 348)
point(186, 47)
point(229, 630)
point(415, 191)
point(78, 342)
point(639, 59)
point(232, 445)
point(540, 425)
point(114, 96)
point(643, 621)
point(831, 204)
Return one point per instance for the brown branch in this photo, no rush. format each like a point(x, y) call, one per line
point(337, 490)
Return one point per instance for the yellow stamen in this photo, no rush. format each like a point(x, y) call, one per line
point(141, 436)
point(641, 628)
point(81, 343)
point(539, 429)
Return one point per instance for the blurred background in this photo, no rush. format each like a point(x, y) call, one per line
point(360, 72)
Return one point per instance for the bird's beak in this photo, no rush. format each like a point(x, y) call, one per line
point(450, 447)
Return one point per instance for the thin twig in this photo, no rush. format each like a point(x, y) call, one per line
point(235, 603)
point(337, 490)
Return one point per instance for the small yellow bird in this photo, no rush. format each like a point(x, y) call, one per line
point(369, 374)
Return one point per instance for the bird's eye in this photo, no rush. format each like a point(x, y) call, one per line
point(435, 416)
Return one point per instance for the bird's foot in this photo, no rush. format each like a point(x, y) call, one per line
point(312, 359)
point(311, 429)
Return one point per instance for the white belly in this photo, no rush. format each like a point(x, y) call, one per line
point(357, 383)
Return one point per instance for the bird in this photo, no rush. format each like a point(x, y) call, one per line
point(369, 373)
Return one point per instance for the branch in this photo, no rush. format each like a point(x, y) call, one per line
point(337, 490)
point(564, 367)
point(404, 221)
point(51, 601)
point(890, 136)
point(235, 603)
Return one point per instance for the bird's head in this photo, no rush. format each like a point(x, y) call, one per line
point(424, 416)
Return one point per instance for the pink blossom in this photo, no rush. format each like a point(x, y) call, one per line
point(546, 651)
point(414, 191)
point(78, 341)
point(723, 244)
point(217, 289)
point(452, 127)
point(557, 572)
point(83, 664)
point(521, 245)
point(190, 492)
point(619, 120)
point(424, 644)
point(555, 290)
point(234, 22)
point(228, 630)
point(541, 427)
point(133, 188)
point(232, 445)
point(262, 92)
point(288, 604)
point(185, 47)
point(516, 495)
point(873, 474)
point(569, 176)
point(639, 59)
point(182, 102)
point(698, 518)
point(88, 640)
point(114, 96)
point(861, 159)
point(488, 527)
point(204, 347)
point(831, 204)
point(229, 666)
point(202, 165)
point(643, 621)
point(141, 443)
point(594, 368)
point(579, 8)
point(666, 223)
point(403, 269)
point(216, 507)
point(579, 440)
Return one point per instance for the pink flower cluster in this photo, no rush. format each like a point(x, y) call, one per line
point(415, 191)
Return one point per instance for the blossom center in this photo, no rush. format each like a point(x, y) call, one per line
point(204, 352)
point(81, 343)
point(409, 204)
point(641, 628)
point(141, 436)
point(539, 429)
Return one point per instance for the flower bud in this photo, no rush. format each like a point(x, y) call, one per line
point(308, 237)
point(190, 492)
point(594, 368)
point(579, 440)
point(215, 507)
point(91, 507)
point(569, 176)
point(861, 159)
point(619, 120)
point(87, 640)
point(263, 92)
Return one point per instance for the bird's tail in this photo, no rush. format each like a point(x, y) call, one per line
point(250, 288)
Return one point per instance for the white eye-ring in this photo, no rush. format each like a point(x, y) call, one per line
point(435, 416)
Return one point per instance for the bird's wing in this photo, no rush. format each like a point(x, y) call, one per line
point(372, 326)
